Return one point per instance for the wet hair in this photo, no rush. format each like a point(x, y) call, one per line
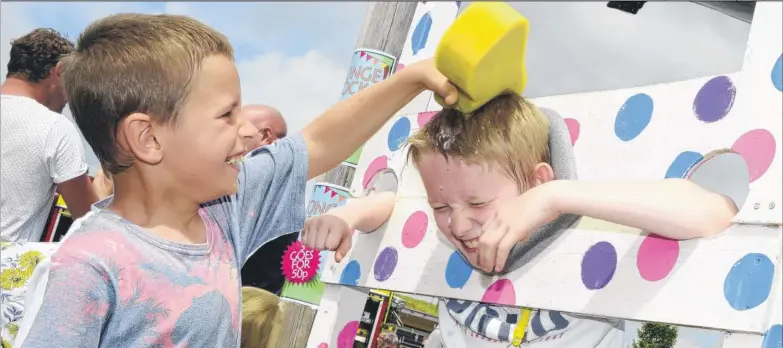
point(508, 131)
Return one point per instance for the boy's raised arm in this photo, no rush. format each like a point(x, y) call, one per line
point(343, 128)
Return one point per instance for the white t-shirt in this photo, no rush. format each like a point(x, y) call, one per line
point(40, 148)
point(466, 324)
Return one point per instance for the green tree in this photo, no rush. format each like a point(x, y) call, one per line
point(655, 335)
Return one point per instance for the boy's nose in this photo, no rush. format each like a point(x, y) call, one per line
point(463, 227)
point(246, 129)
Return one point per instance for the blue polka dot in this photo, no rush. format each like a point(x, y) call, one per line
point(398, 133)
point(777, 74)
point(773, 338)
point(421, 33)
point(633, 117)
point(682, 164)
point(458, 271)
point(351, 273)
point(749, 282)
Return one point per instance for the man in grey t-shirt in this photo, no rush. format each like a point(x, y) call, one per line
point(41, 148)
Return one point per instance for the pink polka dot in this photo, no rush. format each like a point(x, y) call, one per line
point(500, 292)
point(425, 117)
point(573, 129)
point(656, 257)
point(400, 66)
point(757, 147)
point(378, 164)
point(414, 229)
point(347, 335)
point(323, 345)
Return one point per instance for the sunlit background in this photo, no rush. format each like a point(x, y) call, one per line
point(294, 56)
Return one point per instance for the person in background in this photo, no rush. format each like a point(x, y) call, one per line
point(387, 339)
point(263, 318)
point(102, 184)
point(269, 125)
point(41, 149)
point(262, 269)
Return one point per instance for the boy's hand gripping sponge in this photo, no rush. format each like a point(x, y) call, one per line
point(483, 54)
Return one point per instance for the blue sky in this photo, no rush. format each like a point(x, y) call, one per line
point(290, 55)
point(294, 55)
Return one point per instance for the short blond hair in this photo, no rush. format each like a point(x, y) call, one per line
point(263, 318)
point(134, 63)
point(508, 131)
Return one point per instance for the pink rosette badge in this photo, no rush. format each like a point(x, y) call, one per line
point(300, 263)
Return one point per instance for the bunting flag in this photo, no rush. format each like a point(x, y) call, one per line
point(332, 192)
point(369, 56)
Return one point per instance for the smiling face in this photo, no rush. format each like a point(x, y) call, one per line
point(202, 151)
point(463, 196)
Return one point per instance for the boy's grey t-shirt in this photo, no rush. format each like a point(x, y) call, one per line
point(113, 284)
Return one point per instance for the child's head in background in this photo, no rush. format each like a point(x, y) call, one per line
point(158, 97)
point(262, 318)
point(472, 165)
point(387, 339)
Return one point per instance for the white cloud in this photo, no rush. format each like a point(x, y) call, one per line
point(285, 58)
point(300, 87)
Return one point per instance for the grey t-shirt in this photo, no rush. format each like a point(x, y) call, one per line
point(113, 284)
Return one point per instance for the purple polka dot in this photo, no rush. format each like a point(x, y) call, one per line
point(715, 99)
point(598, 265)
point(385, 264)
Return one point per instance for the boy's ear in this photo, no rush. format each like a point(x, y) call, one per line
point(543, 173)
point(137, 134)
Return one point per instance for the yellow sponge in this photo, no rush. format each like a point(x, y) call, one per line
point(483, 53)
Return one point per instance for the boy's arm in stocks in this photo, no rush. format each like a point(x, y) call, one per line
point(272, 181)
point(334, 229)
point(672, 208)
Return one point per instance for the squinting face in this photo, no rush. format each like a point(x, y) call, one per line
point(203, 150)
point(463, 197)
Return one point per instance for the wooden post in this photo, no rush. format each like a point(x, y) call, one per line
point(385, 29)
